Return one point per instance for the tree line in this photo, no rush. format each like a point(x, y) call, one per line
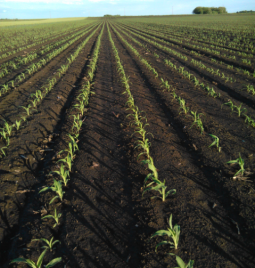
point(210, 10)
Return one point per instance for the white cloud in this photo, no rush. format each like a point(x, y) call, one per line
point(4, 10)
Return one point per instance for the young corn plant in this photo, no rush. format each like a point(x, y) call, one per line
point(230, 104)
point(17, 124)
point(39, 262)
point(215, 142)
point(184, 109)
point(197, 121)
point(3, 134)
point(68, 161)
point(27, 109)
point(173, 232)
point(72, 149)
point(240, 162)
point(57, 188)
point(239, 109)
point(161, 188)
point(8, 128)
point(77, 124)
point(55, 217)
point(249, 120)
point(155, 184)
point(165, 85)
point(64, 174)
point(49, 244)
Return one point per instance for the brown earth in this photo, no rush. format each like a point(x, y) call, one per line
point(105, 221)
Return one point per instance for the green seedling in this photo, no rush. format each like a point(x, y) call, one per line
point(174, 94)
point(181, 263)
point(199, 124)
point(68, 161)
point(2, 151)
point(74, 141)
point(197, 120)
point(154, 175)
point(183, 107)
point(49, 244)
point(64, 174)
point(80, 107)
point(230, 104)
point(215, 142)
point(3, 133)
point(27, 109)
point(24, 118)
point(165, 84)
point(77, 124)
point(172, 232)
point(5, 88)
point(57, 188)
point(39, 261)
point(17, 124)
point(34, 102)
point(37, 94)
point(55, 217)
point(161, 188)
point(8, 128)
point(145, 145)
point(249, 120)
point(70, 151)
point(240, 162)
point(239, 109)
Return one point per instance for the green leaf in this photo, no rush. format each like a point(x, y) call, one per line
point(40, 260)
point(47, 217)
point(21, 260)
point(44, 189)
point(161, 233)
point(232, 161)
point(53, 262)
point(52, 200)
point(180, 262)
point(162, 243)
point(173, 191)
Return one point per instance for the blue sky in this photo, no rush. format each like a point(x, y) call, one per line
point(28, 9)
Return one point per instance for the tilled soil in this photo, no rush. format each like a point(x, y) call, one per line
point(105, 221)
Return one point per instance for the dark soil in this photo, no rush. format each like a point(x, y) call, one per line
point(105, 221)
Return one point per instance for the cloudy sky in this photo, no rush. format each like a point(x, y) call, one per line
point(28, 9)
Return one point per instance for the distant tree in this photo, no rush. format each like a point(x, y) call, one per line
point(209, 10)
point(198, 10)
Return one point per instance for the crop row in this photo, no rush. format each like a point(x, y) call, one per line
point(183, 108)
point(7, 67)
point(233, 38)
point(207, 51)
point(192, 39)
point(34, 67)
point(66, 166)
point(220, 63)
point(37, 97)
point(24, 38)
point(210, 90)
point(162, 39)
point(152, 181)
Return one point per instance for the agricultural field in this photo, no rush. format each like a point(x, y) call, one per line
point(128, 142)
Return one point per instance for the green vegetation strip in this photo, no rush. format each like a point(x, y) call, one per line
point(210, 90)
point(65, 169)
point(34, 67)
point(38, 96)
point(151, 182)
